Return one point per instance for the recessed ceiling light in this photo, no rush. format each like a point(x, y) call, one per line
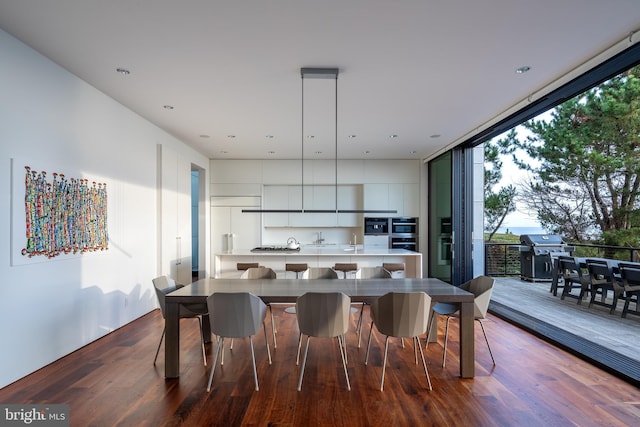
point(168, 107)
point(231, 136)
point(205, 136)
point(224, 152)
point(269, 136)
point(366, 152)
point(310, 136)
point(352, 136)
point(412, 152)
point(271, 152)
point(522, 69)
point(318, 152)
point(435, 135)
point(393, 136)
point(123, 71)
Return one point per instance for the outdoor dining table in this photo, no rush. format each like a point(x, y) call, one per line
point(288, 290)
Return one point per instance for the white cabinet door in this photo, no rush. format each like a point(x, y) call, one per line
point(350, 198)
point(376, 197)
point(411, 200)
point(323, 198)
point(276, 197)
point(231, 229)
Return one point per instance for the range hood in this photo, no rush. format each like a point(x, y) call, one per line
point(332, 74)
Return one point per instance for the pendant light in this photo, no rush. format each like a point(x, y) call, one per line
point(319, 73)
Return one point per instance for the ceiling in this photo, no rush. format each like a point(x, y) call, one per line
point(429, 72)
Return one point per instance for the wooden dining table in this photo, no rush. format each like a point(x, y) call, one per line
point(288, 290)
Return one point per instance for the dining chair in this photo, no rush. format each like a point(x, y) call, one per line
point(630, 276)
point(315, 273)
point(320, 273)
point(573, 277)
point(369, 273)
point(346, 268)
point(397, 269)
point(263, 273)
point(402, 315)
point(323, 315)
point(258, 273)
point(163, 285)
point(602, 281)
point(481, 287)
point(236, 315)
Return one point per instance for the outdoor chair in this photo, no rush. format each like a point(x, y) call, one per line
point(630, 275)
point(573, 277)
point(602, 281)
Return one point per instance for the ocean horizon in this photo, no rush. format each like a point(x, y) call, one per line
point(518, 231)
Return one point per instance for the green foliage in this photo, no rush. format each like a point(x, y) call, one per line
point(497, 205)
point(586, 164)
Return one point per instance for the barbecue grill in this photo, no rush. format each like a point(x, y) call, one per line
point(537, 254)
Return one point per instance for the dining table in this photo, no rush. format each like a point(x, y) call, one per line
point(582, 262)
point(288, 290)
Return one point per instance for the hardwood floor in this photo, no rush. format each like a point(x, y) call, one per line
point(113, 382)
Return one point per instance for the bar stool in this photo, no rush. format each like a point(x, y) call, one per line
point(296, 268)
point(346, 268)
point(394, 267)
point(241, 266)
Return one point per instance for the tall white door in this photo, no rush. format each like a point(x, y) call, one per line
point(175, 215)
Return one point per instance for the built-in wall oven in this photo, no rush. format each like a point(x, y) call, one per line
point(376, 226)
point(404, 233)
point(392, 233)
point(404, 226)
point(408, 243)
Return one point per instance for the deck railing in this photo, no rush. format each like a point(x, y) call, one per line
point(503, 259)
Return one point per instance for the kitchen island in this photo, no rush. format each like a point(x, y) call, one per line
point(224, 263)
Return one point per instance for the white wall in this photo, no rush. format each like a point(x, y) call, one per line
point(57, 121)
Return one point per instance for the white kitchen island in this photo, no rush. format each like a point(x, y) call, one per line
point(225, 263)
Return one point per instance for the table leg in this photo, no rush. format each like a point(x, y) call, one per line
point(172, 341)
point(467, 352)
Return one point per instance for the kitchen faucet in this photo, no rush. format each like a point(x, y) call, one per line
point(320, 239)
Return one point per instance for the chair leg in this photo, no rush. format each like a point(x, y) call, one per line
point(343, 345)
point(359, 324)
point(159, 344)
point(264, 328)
point(366, 359)
point(446, 339)
point(253, 360)
point(215, 361)
point(615, 303)
point(424, 364)
point(416, 344)
point(299, 346)
point(204, 351)
point(433, 314)
point(304, 362)
point(384, 363)
point(487, 341)
point(273, 327)
point(625, 309)
point(343, 353)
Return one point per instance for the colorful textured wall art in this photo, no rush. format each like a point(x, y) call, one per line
point(64, 215)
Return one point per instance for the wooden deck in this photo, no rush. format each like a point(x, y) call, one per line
point(607, 339)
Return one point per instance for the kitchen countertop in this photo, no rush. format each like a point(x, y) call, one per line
point(329, 250)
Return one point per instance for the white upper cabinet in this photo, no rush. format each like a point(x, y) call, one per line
point(403, 198)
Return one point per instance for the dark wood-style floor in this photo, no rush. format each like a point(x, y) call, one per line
point(113, 382)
